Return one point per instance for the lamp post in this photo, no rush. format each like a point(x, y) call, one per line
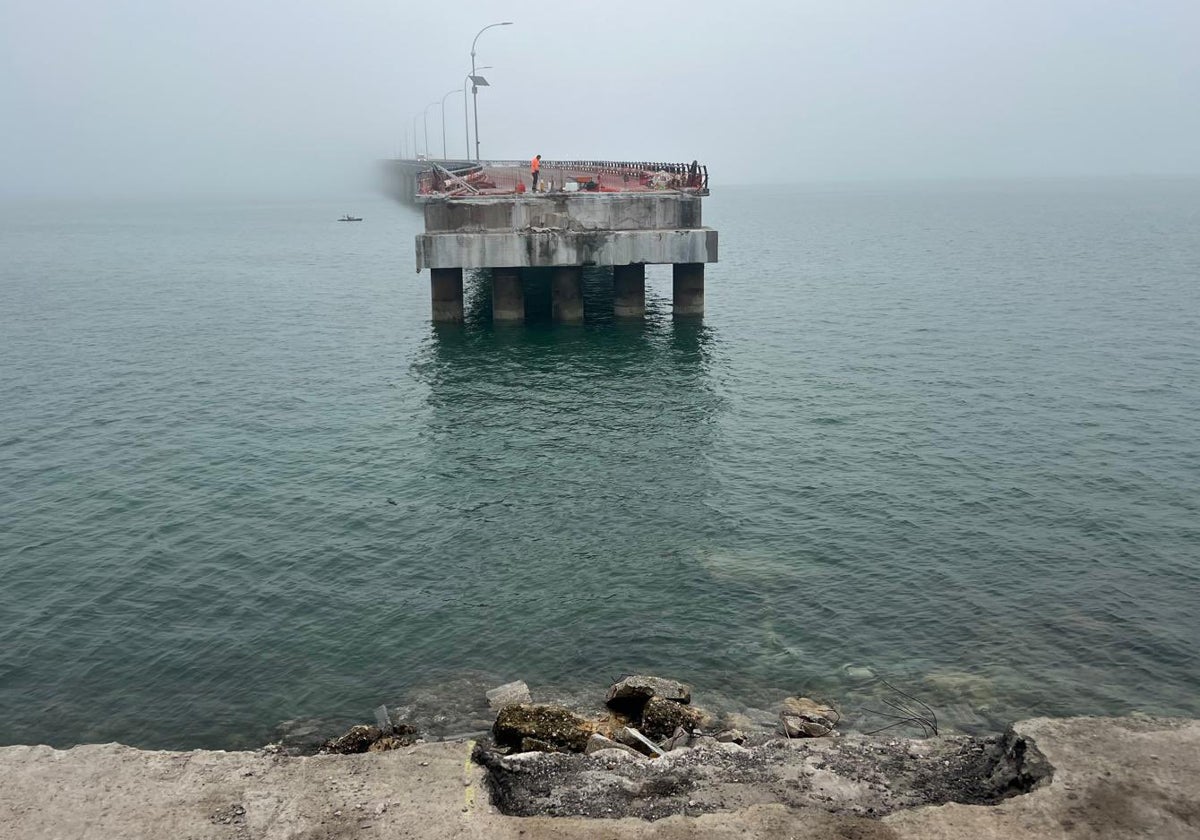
point(416, 145)
point(426, 120)
point(479, 80)
point(475, 86)
point(447, 93)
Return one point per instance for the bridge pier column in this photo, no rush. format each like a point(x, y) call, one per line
point(508, 300)
point(446, 287)
point(629, 291)
point(688, 289)
point(566, 294)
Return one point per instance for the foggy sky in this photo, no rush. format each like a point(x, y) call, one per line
point(116, 97)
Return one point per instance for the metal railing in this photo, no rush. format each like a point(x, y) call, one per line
point(502, 177)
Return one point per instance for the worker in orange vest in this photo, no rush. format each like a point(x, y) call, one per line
point(534, 166)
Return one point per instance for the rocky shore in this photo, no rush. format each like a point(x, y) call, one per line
point(650, 753)
point(641, 714)
point(643, 760)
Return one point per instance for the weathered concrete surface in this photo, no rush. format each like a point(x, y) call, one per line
point(565, 247)
point(629, 291)
point(853, 776)
point(566, 294)
point(1113, 778)
point(688, 288)
point(563, 211)
point(508, 297)
point(446, 287)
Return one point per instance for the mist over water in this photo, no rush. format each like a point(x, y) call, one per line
point(943, 432)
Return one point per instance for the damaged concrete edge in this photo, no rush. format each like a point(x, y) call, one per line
point(854, 775)
point(1026, 767)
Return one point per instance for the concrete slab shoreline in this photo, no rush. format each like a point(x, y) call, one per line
point(1112, 778)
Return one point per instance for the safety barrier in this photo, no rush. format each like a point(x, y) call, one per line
point(514, 177)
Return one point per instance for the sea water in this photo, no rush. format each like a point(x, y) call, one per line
point(943, 435)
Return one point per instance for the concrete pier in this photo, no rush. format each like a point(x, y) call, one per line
point(629, 291)
point(508, 298)
point(688, 298)
point(566, 294)
point(599, 214)
point(446, 286)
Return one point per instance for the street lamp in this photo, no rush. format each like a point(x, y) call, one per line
point(416, 145)
point(476, 80)
point(475, 85)
point(426, 120)
point(447, 93)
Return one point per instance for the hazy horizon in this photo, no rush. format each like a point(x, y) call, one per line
point(129, 99)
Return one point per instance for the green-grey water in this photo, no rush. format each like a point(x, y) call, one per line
point(944, 432)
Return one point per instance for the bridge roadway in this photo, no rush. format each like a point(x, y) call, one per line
point(626, 215)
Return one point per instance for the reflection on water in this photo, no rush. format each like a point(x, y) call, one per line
point(599, 433)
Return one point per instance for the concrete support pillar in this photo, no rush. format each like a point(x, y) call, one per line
point(446, 285)
point(689, 289)
point(508, 301)
point(566, 294)
point(629, 291)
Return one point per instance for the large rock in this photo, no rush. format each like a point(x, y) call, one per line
point(555, 726)
point(509, 694)
point(630, 694)
point(401, 735)
point(803, 717)
point(660, 718)
point(357, 739)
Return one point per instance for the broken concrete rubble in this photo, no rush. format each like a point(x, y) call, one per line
point(655, 705)
point(509, 694)
point(803, 717)
point(598, 742)
point(363, 738)
point(555, 726)
point(631, 693)
point(631, 737)
point(660, 718)
point(731, 736)
point(356, 739)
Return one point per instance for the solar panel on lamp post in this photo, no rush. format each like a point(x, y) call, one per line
point(479, 80)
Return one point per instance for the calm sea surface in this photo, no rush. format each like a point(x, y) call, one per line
point(950, 434)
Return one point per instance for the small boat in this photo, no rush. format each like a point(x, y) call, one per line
point(349, 218)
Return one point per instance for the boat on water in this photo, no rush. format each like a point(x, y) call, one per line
point(349, 218)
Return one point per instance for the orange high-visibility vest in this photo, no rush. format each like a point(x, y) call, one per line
point(534, 165)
